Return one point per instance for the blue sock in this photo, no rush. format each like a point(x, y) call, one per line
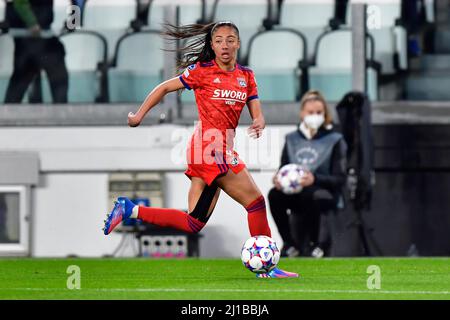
point(129, 205)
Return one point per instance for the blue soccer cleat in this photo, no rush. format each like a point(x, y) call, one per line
point(277, 273)
point(122, 210)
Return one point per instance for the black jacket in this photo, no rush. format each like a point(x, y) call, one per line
point(42, 9)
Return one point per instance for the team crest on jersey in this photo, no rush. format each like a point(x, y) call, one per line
point(186, 72)
point(234, 162)
point(242, 82)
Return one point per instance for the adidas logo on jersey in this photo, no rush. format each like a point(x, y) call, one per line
point(216, 80)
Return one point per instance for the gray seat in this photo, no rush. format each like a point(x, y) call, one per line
point(274, 57)
point(332, 73)
point(190, 12)
point(83, 54)
point(111, 20)
point(309, 18)
point(389, 38)
point(247, 17)
point(138, 67)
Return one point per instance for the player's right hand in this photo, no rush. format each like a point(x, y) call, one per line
point(133, 120)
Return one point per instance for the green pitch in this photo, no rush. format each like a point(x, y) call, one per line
point(421, 278)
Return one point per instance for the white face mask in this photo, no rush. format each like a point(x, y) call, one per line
point(314, 121)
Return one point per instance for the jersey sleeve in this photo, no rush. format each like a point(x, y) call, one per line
point(252, 88)
point(191, 77)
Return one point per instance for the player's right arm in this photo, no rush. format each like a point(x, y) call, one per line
point(153, 98)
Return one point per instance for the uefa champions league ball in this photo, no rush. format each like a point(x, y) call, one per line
point(260, 254)
point(289, 178)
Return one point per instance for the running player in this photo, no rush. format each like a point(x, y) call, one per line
point(222, 88)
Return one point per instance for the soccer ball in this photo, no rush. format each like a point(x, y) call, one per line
point(260, 254)
point(289, 177)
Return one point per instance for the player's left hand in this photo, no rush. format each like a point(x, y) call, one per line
point(255, 130)
point(307, 179)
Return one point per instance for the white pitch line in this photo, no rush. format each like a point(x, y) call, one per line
point(396, 292)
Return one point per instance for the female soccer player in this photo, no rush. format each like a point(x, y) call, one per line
point(222, 88)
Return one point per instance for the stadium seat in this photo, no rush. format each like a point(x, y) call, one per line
point(111, 19)
point(332, 74)
point(390, 41)
point(247, 17)
point(156, 14)
point(309, 18)
point(137, 67)
point(277, 73)
point(189, 12)
point(308, 14)
point(84, 52)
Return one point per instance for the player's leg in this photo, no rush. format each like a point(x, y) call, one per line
point(201, 201)
point(202, 209)
point(242, 188)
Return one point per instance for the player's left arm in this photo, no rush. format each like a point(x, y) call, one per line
point(254, 106)
point(259, 123)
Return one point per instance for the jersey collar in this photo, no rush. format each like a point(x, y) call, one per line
point(217, 66)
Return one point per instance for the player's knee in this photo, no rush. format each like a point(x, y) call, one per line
point(195, 225)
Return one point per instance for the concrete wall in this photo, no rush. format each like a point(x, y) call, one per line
point(71, 199)
point(410, 204)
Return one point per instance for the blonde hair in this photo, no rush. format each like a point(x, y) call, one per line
point(315, 95)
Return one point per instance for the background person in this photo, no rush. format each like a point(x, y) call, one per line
point(33, 53)
point(324, 151)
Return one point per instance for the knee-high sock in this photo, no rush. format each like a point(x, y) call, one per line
point(257, 218)
point(170, 218)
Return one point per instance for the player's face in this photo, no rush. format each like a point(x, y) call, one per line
point(225, 44)
point(312, 107)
